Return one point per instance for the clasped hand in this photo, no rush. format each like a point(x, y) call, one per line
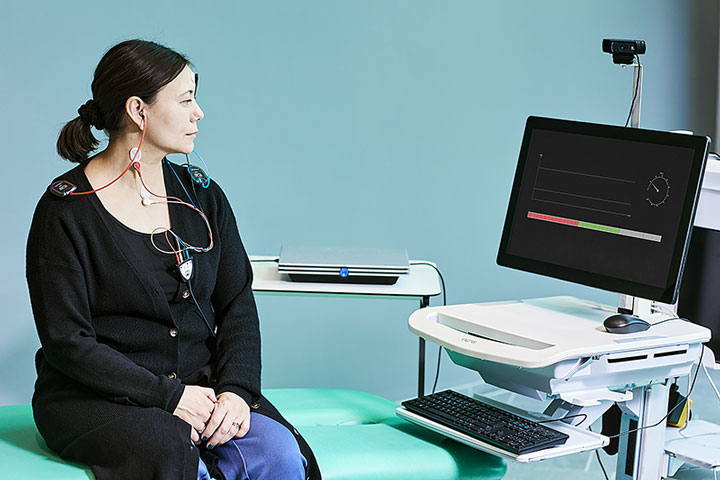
point(215, 419)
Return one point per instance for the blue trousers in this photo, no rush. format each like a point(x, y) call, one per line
point(267, 452)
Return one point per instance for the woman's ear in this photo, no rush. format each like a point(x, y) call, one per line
point(135, 109)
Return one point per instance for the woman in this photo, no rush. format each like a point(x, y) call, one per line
point(141, 291)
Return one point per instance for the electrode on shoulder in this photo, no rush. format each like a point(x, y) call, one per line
point(62, 188)
point(198, 175)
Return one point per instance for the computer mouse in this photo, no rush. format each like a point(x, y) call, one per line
point(624, 323)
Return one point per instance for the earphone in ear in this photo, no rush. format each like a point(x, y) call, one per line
point(135, 153)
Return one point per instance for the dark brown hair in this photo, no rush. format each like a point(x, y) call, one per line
point(131, 68)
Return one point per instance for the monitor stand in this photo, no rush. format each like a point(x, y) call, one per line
point(628, 304)
point(637, 306)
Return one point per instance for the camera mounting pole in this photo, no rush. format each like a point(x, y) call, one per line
point(635, 305)
point(624, 52)
point(636, 95)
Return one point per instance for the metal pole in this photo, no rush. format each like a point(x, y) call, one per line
point(640, 455)
point(636, 95)
point(627, 302)
point(424, 302)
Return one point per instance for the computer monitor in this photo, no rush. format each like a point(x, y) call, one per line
point(604, 206)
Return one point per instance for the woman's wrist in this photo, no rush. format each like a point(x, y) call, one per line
point(241, 392)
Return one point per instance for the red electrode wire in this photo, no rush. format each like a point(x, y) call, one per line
point(132, 161)
point(175, 251)
point(169, 199)
point(176, 200)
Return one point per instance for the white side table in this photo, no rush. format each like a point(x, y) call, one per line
point(421, 283)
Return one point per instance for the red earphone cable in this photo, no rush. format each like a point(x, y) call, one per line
point(132, 161)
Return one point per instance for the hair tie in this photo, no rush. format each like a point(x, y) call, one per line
point(90, 114)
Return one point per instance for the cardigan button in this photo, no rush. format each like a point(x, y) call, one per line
point(172, 375)
point(185, 293)
point(255, 406)
point(173, 332)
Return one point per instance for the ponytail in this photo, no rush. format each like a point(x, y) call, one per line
point(76, 141)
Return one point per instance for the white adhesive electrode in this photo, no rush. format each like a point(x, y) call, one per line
point(132, 154)
point(145, 196)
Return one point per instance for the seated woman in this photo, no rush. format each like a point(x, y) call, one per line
point(141, 291)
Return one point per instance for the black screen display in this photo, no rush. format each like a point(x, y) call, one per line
point(604, 206)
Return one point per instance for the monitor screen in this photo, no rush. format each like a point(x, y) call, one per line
point(604, 206)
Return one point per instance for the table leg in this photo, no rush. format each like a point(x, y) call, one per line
point(421, 368)
point(641, 453)
point(424, 302)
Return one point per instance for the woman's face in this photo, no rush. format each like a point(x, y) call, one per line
point(171, 120)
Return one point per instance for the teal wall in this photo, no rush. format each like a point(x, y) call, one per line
point(350, 123)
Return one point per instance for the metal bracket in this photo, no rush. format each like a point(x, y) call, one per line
point(591, 398)
point(579, 366)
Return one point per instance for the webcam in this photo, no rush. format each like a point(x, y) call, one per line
point(623, 51)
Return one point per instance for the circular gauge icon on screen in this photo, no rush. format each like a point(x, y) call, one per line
point(658, 190)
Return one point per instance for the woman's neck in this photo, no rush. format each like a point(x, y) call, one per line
point(112, 161)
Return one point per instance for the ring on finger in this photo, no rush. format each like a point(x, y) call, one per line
point(236, 425)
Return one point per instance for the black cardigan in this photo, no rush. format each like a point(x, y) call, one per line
point(104, 327)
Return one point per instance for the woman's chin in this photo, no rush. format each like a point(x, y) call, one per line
point(187, 150)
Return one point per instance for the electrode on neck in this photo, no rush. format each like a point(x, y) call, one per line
point(133, 152)
point(145, 196)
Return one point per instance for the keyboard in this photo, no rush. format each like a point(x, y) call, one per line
point(486, 423)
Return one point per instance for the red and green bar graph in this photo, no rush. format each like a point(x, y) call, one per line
point(595, 226)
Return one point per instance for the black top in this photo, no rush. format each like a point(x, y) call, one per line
point(163, 267)
point(104, 323)
point(143, 255)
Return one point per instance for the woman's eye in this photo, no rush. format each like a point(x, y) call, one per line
point(188, 101)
